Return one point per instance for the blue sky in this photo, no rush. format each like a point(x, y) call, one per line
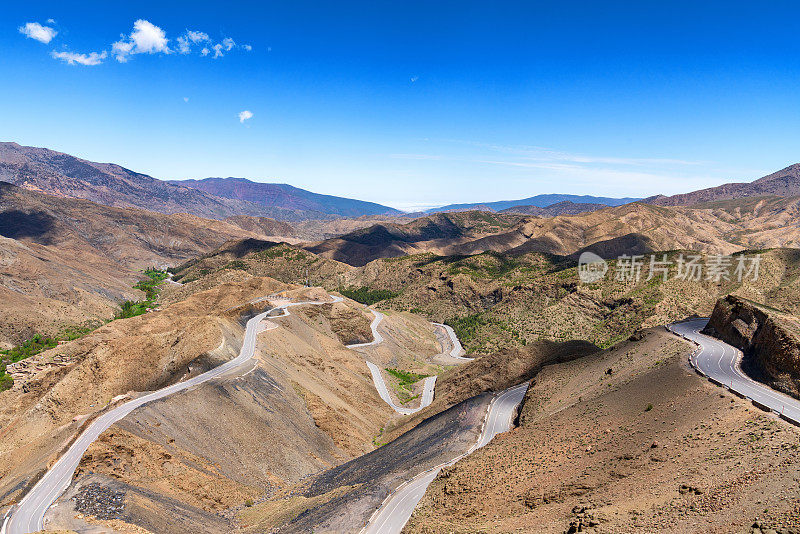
point(413, 104)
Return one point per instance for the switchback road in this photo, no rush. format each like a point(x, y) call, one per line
point(721, 363)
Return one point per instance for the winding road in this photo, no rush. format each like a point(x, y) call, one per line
point(721, 363)
point(29, 514)
point(377, 376)
point(457, 352)
point(395, 511)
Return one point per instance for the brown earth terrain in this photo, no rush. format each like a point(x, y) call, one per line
point(768, 338)
point(70, 261)
point(307, 405)
point(784, 183)
point(57, 391)
point(59, 174)
point(341, 499)
point(626, 440)
point(505, 300)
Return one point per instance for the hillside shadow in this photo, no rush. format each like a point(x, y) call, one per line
point(36, 225)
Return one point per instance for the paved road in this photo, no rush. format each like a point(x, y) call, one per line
point(457, 352)
point(721, 362)
point(29, 515)
point(376, 336)
point(377, 377)
point(395, 511)
point(383, 391)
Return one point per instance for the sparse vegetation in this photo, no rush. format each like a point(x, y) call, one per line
point(405, 381)
point(236, 264)
point(151, 288)
point(33, 346)
point(367, 296)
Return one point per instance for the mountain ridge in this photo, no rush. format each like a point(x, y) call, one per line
point(539, 201)
point(782, 183)
point(284, 196)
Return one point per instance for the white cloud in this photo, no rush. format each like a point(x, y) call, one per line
point(34, 30)
point(51, 21)
point(185, 98)
point(146, 38)
point(197, 37)
point(73, 58)
point(149, 38)
point(245, 115)
point(189, 38)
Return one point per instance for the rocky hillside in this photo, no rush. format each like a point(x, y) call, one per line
point(434, 232)
point(499, 300)
point(65, 261)
point(719, 227)
point(783, 183)
point(768, 338)
point(285, 196)
point(565, 207)
point(627, 440)
point(56, 173)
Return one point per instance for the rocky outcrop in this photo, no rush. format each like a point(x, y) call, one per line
point(770, 343)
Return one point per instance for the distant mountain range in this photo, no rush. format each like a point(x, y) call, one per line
point(539, 201)
point(560, 208)
point(784, 183)
point(285, 196)
point(59, 174)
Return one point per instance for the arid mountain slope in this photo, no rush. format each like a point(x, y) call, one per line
point(565, 207)
point(66, 261)
point(434, 232)
point(55, 391)
point(40, 169)
point(497, 300)
point(306, 404)
point(720, 227)
point(286, 196)
point(624, 441)
point(783, 183)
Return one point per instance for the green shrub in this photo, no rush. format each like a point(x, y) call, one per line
point(367, 296)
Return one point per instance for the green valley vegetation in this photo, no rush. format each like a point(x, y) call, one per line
point(39, 343)
point(151, 287)
point(405, 379)
point(33, 346)
point(367, 296)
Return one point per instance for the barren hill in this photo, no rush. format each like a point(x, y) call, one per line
point(56, 173)
point(64, 261)
point(783, 183)
point(433, 232)
point(565, 207)
point(286, 196)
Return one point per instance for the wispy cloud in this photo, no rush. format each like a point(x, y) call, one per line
point(609, 172)
point(245, 115)
point(73, 58)
point(34, 30)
